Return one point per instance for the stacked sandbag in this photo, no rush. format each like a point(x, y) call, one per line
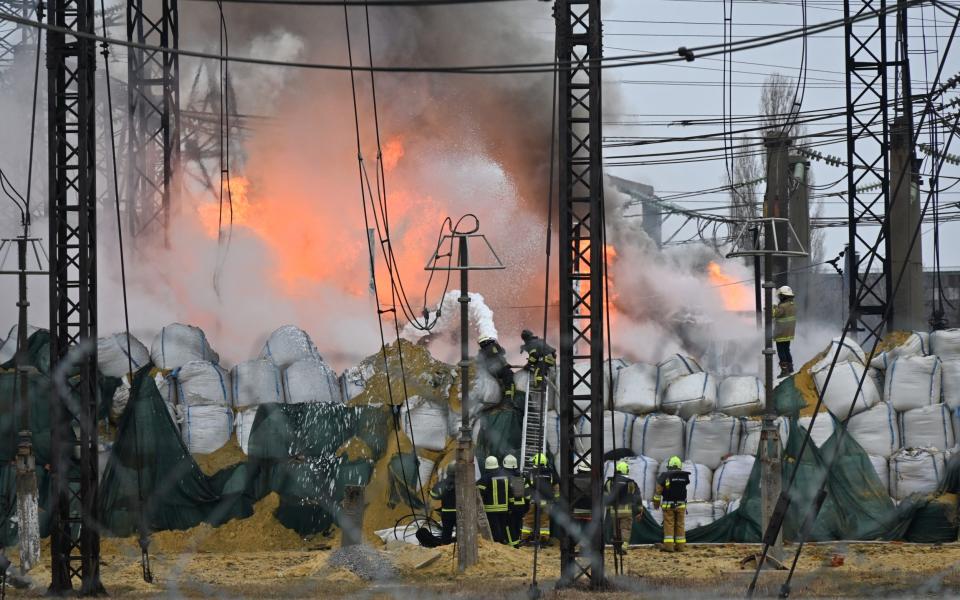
point(703, 513)
point(709, 438)
point(842, 389)
point(945, 343)
point(822, 428)
point(927, 427)
point(354, 380)
point(882, 468)
point(551, 430)
point(913, 382)
point(611, 370)
point(113, 359)
point(658, 436)
point(204, 402)
point(644, 470)
point(741, 396)
point(914, 470)
point(255, 382)
point(673, 368)
point(484, 389)
point(636, 390)
point(425, 423)
point(950, 387)
point(730, 478)
point(691, 395)
point(849, 351)
point(617, 432)
point(914, 345)
point(287, 345)
point(876, 430)
point(177, 344)
point(310, 381)
point(701, 480)
point(425, 468)
point(750, 430)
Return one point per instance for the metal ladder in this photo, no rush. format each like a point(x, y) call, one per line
point(534, 438)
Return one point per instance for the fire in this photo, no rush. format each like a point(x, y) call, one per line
point(736, 295)
point(392, 153)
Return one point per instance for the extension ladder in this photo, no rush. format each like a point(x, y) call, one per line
point(533, 436)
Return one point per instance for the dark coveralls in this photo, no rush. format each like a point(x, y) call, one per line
point(492, 358)
point(623, 500)
point(519, 504)
point(671, 495)
point(445, 491)
point(544, 491)
point(784, 330)
point(495, 493)
point(541, 356)
point(583, 503)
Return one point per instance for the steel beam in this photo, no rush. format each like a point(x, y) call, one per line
point(579, 49)
point(75, 536)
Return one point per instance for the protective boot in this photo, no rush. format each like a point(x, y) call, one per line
point(785, 369)
point(680, 547)
point(666, 547)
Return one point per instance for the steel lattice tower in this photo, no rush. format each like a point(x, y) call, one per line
point(153, 80)
point(579, 49)
point(868, 163)
point(75, 536)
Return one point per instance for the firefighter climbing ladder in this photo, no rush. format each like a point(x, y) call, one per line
point(534, 439)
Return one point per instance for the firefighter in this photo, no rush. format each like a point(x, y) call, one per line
point(624, 503)
point(445, 491)
point(496, 498)
point(784, 328)
point(583, 503)
point(671, 495)
point(519, 498)
point(493, 359)
point(544, 491)
point(541, 356)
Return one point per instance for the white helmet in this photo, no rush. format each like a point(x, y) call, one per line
point(785, 291)
point(491, 463)
point(509, 462)
point(583, 467)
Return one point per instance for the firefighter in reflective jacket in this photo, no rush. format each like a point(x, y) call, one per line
point(624, 503)
point(541, 356)
point(519, 499)
point(495, 493)
point(671, 495)
point(784, 328)
point(544, 491)
point(493, 359)
point(445, 491)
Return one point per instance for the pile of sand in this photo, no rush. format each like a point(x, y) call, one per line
point(227, 456)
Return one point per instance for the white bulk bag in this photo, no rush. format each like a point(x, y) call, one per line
point(927, 427)
point(876, 430)
point(691, 395)
point(915, 470)
point(850, 351)
point(914, 345)
point(288, 344)
point(309, 381)
point(244, 424)
point(913, 382)
point(425, 423)
point(703, 513)
point(112, 355)
point(177, 344)
point(644, 470)
point(701, 480)
point(882, 468)
point(842, 390)
point(636, 389)
point(951, 382)
point(750, 430)
point(945, 343)
point(551, 430)
point(655, 513)
point(256, 382)
point(611, 370)
point(484, 389)
point(354, 380)
point(424, 472)
point(709, 438)
point(619, 431)
point(730, 478)
point(206, 427)
point(658, 436)
point(202, 383)
point(822, 428)
point(673, 368)
point(741, 396)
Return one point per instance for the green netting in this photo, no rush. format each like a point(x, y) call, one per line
point(312, 490)
point(500, 433)
point(404, 470)
point(282, 431)
point(38, 352)
point(787, 399)
point(38, 393)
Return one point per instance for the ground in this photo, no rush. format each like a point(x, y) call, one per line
point(709, 570)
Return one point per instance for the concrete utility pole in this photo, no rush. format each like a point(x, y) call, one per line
point(798, 168)
point(776, 201)
point(467, 553)
point(908, 307)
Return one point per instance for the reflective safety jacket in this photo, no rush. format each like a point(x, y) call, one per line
point(445, 491)
point(622, 494)
point(671, 489)
point(784, 321)
point(494, 490)
point(543, 485)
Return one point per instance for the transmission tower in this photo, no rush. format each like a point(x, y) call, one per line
point(75, 536)
point(579, 49)
point(14, 36)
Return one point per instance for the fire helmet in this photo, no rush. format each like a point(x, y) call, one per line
point(674, 463)
point(509, 462)
point(526, 335)
point(539, 460)
point(583, 467)
point(491, 463)
point(622, 467)
point(785, 291)
point(486, 339)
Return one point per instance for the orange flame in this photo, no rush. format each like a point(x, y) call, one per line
point(736, 296)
